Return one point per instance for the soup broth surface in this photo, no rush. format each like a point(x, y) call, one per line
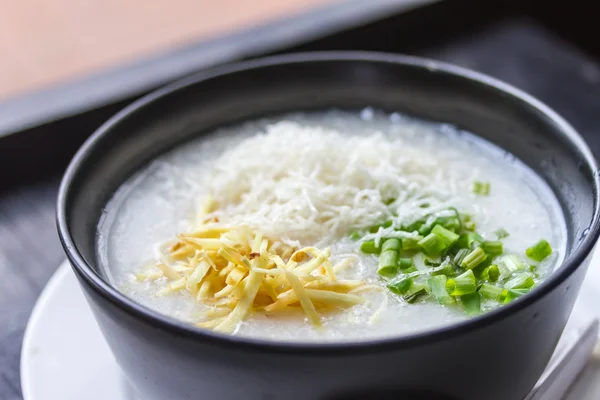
point(158, 203)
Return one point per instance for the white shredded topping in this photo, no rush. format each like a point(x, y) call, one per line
point(311, 185)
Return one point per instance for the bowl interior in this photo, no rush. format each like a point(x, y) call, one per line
point(423, 89)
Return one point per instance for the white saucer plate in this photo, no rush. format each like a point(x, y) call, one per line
point(65, 357)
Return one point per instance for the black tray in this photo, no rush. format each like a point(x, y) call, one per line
point(549, 49)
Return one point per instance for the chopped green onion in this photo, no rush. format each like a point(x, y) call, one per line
point(410, 270)
point(355, 235)
point(415, 226)
point(437, 285)
point(539, 251)
point(452, 224)
point(469, 226)
point(415, 293)
point(509, 264)
point(469, 240)
point(389, 201)
point(521, 281)
point(460, 256)
point(447, 269)
point(462, 284)
point(387, 224)
point(411, 243)
point(401, 287)
point(474, 258)
point(438, 241)
point(431, 263)
point(481, 268)
point(488, 272)
point(447, 236)
point(490, 291)
point(493, 273)
point(373, 229)
point(481, 188)
point(424, 230)
point(391, 244)
point(509, 295)
point(533, 270)
point(388, 263)
point(431, 245)
point(493, 248)
point(471, 303)
point(405, 263)
point(502, 233)
point(424, 205)
point(369, 247)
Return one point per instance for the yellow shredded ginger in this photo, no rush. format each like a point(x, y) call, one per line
point(236, 271)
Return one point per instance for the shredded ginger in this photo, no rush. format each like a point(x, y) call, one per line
point(236, 272)
point(307, 185)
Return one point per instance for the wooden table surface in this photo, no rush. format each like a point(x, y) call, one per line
point(47, 42)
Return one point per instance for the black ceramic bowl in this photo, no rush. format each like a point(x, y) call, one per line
point(499, 355)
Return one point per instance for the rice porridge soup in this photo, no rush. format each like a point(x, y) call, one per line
point(331, 226)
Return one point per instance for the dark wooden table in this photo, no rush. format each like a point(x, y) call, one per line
point(519, 51)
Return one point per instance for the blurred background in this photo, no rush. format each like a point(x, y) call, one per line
point(67, 65)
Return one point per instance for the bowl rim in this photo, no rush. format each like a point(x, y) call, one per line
point(182, 329)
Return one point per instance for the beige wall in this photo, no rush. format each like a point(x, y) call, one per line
point(43, 42)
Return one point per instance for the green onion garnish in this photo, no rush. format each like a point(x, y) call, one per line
point(447, 269)
point(474, 258)
point(533, 270)
point(431, 245)
point(460, 256)
point(369, 247)
point(451, 223)
point(415, 226)
point(411, 243)
point(401, 287)
point(355, 235)
point(462, 284)
point(405, 263)
point(469, 226)
point(431, 263)
point(447, 236)
point(424, 230)
point(493, 248)
point(374, 229)
point(391, 244)
point(481, 188)
point(437, 285)
point(438, 241)
point(493, 273)
point(450, 246)
point(471, 303)
point(388, 263)
point(539, 251)
point(501, 233)
point(521, 281)
point(509, 264)
point(417, 290)
point(469, 240)
point(490, 291)
point(509, 295)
